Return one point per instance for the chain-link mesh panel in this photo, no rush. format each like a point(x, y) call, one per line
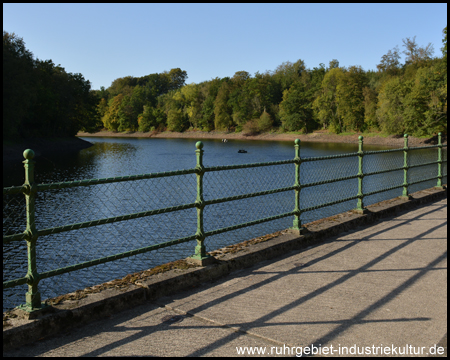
point(219, 241)
point(385, 195)
point(422, 156)
point(327, 211)
point(321, 194)
point(225, 183)
point(13, 297)
point(81, 204)
point(382, 162)
point(218, 216)
point(371, 183)
point(14, 214)
point(117, 269)
point(14, 266)
point(444, 166)
point(220, 184)
point(382, 181)
point(329, 169)
point(15, 252)
point(325, 170)
point(73, 247)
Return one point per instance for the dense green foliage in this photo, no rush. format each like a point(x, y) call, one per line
point(396, 98)
point(41, 99)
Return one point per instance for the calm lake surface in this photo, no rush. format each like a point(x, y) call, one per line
point(110, 157)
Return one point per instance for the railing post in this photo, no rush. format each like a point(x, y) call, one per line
point(439, 176)
point(200, 257)
point(405, 194)
point(33, 297)
point(297, 225)
point(360, 205)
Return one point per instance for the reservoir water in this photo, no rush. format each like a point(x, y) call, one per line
point(110, 157)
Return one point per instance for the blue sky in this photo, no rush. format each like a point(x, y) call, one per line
point(107, 41)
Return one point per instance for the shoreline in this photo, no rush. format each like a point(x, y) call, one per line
point(317, 136)
point(13, 153)
point(49, 146)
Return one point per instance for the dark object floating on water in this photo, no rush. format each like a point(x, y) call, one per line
point(242, 151)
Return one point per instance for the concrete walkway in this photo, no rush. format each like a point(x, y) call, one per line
point(382, 288)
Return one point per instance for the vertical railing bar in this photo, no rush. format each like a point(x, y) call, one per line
point(439, 175)
point(360, 204)
point(32, 297)
point(200, 257)
point(297, 224)
point(405, 194)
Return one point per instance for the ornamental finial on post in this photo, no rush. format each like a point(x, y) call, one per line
point(297, 149)
point(28, 154)
point(360, 142)
point(199, 152)
point(199, 145)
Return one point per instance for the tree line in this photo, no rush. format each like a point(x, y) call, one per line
point(395, 98)
point(41, 99)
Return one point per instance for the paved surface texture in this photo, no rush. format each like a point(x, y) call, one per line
point(383, 285)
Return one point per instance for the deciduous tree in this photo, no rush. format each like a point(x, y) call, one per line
point(326, 104)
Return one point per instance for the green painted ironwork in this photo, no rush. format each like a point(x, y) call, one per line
point(200, 255)
point(439, 177)
point(297, 225)
point(405, 194)
point(33, 297)
point(30, 188)
point(360, 204)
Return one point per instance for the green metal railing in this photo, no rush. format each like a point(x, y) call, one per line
point(30, 189)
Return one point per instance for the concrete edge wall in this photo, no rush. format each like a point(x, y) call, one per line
point(19, 328)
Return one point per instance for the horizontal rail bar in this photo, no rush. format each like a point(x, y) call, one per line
point(47, 274)
point(424, 164)
point(243, 166)
point(383, 171)
point(106, 259)
point(382, 190)
point(400, 149)
point(245, 196)
point(251, 223)
point(14, 282)
point(372, 152)
point(55, 230)
point(113, 219)
point(14, 237)
point(328, 204)
point(328, 157)
point(14, 190)
point(62, 185)
point(402, 167)
point(328, 181)
point(423, 180)
point(424, 147)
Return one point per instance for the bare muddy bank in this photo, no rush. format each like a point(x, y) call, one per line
point(43, 147)
point(317, 136)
